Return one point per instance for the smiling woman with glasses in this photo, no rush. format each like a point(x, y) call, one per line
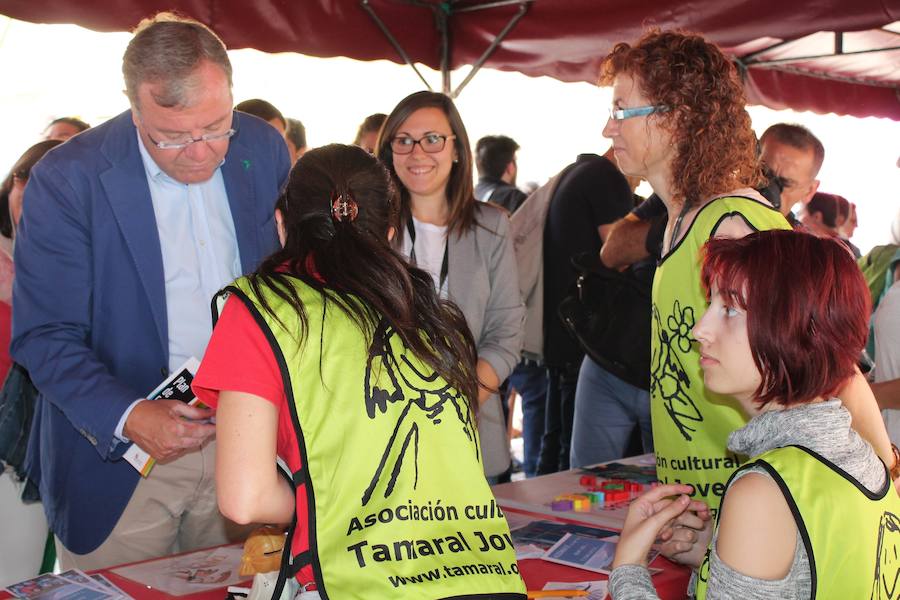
point(462, 243)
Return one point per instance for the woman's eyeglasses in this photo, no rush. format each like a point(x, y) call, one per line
point(620, 114)
point(431, 143)
point(21, 174)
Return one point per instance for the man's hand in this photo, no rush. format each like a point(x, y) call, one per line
point(167, 428)
point(647, 516)
point(625, 243)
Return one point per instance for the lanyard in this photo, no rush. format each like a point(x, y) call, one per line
point(412, 253)
point(677, 228)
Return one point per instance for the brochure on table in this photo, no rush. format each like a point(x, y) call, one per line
point(70, 585)
point(190, 573)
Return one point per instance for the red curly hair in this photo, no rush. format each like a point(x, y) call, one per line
point(715, 145)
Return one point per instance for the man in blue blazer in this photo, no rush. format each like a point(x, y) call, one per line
point(127, 231)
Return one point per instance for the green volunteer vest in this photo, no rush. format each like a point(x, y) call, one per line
point(852, 537)
point(690, 423)
point(398, 503)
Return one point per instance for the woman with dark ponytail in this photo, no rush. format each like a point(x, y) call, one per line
point(341, 359)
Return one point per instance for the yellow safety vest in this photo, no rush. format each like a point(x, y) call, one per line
point(852, 536)
point(690, 423)
point(398, 503)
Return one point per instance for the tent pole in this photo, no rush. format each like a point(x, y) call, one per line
point(441, 18)
point(496, 4)
point(747, 58)
point(365, 6)
point(523, 8)
point(780, 61)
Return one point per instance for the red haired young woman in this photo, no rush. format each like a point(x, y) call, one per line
point(813, 513)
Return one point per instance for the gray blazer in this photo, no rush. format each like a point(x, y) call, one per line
point(482, 279)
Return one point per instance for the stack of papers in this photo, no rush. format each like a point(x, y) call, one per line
point(71, 585)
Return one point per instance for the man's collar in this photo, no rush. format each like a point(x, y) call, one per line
point(150, 166)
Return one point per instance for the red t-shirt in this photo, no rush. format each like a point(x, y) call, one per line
point(240, 359)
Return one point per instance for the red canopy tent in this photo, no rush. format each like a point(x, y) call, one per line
point(826, 56)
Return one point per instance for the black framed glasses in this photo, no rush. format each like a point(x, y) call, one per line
point(21, 174)
point(620, 114)
point(431, 143)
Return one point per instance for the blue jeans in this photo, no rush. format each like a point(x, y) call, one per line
point(560, 412)
point(607, 410)
point(529, 378)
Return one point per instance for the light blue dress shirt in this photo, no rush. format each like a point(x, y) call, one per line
point(199, 253)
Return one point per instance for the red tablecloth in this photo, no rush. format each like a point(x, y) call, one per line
point(671, 583)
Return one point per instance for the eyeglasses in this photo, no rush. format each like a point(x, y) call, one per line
point(21, 174)
point(620, 114)
point(209, 137)
point(431, 143)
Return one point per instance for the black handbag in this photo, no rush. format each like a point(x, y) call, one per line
point(17, 399)
point(608, 313)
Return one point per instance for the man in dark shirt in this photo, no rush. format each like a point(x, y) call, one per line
point(592, 195)
point(495, 158)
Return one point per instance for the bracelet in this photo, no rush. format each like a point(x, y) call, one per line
point(895, 469)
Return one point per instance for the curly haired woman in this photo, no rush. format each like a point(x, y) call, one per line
point(678, 121)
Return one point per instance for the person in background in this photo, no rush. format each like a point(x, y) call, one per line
point(296, 139)
point(495, 159)
point(590, 197)
point(127, 232)
point(367, 134)
point(677, 98)
point(23, 523)
point(825, 215)
point(774, 536)
point(462, 243)
point(847, 223)
point(342, 358)
point(64, 127)
point(609, 409)
point(795, 155)
point(266, 111)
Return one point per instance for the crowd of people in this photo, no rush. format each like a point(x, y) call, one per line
point(377, 310)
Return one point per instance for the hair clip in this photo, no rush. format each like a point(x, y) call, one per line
point(344, 207)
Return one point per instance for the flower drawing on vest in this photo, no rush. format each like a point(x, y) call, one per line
point(887, 564)
point(395, 377)
point(680, 323)
point(668, 378)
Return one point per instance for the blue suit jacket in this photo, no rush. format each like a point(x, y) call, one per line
point(90, 305)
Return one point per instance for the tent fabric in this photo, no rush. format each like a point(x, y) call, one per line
point(564, 39)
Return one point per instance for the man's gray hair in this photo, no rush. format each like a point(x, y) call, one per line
point(167, 49)
point(799, 137)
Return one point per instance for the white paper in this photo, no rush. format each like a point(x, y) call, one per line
point(597, 589)
point(189, 573)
